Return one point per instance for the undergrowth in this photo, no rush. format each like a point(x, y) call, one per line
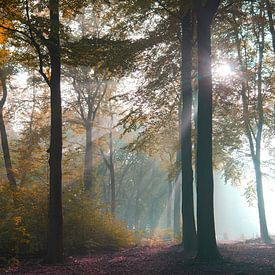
point(87, 225)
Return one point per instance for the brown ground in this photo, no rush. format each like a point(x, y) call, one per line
point(240, 258)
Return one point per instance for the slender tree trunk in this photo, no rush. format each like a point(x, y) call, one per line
point(189, 230)
point(260, 199)
point(257, 159)
point(207, 246)
point(55, 230)
point(4, 137)
point(88, 161)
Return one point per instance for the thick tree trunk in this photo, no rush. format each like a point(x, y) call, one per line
point(189, 230)
point(55, 230)
point(207, 246)
point(88, 161)
point(4, 137)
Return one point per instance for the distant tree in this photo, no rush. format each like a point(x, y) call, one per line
point(34, 111)
point(254, 120)
point(3, 132)
point(244, 118)
point(4, 72)
point(90, 89)
point(110, 161)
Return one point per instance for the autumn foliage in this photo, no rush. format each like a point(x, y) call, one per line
point(23, 227)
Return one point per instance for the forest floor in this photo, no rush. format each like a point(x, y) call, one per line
point(250, 257)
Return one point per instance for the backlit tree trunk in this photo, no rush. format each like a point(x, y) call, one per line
point(207, 246)
point(189, 230)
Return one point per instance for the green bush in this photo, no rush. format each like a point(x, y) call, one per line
point(87, 227)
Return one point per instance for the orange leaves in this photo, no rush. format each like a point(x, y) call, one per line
point(4, 35)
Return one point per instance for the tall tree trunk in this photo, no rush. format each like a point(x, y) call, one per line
point(189, 230)
point(257, 158)
point(88, 161)
point(260, 199)
point(4, 137)
point(55, 230)
point(207, 246)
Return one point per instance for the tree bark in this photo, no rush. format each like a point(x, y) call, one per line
point(4, 137)
point(207, 246)
point(189, 237)
point(55, 230)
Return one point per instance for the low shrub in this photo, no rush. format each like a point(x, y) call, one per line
point(87, 226)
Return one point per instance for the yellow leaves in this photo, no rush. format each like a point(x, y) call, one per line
point(48, 73)
point(4, 32)
point(17, 220)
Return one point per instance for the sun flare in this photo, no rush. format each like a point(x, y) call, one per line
point(223, 70)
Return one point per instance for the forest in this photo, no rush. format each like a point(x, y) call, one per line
point(137, 137)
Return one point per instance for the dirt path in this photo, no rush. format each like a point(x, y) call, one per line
point(241, 258)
